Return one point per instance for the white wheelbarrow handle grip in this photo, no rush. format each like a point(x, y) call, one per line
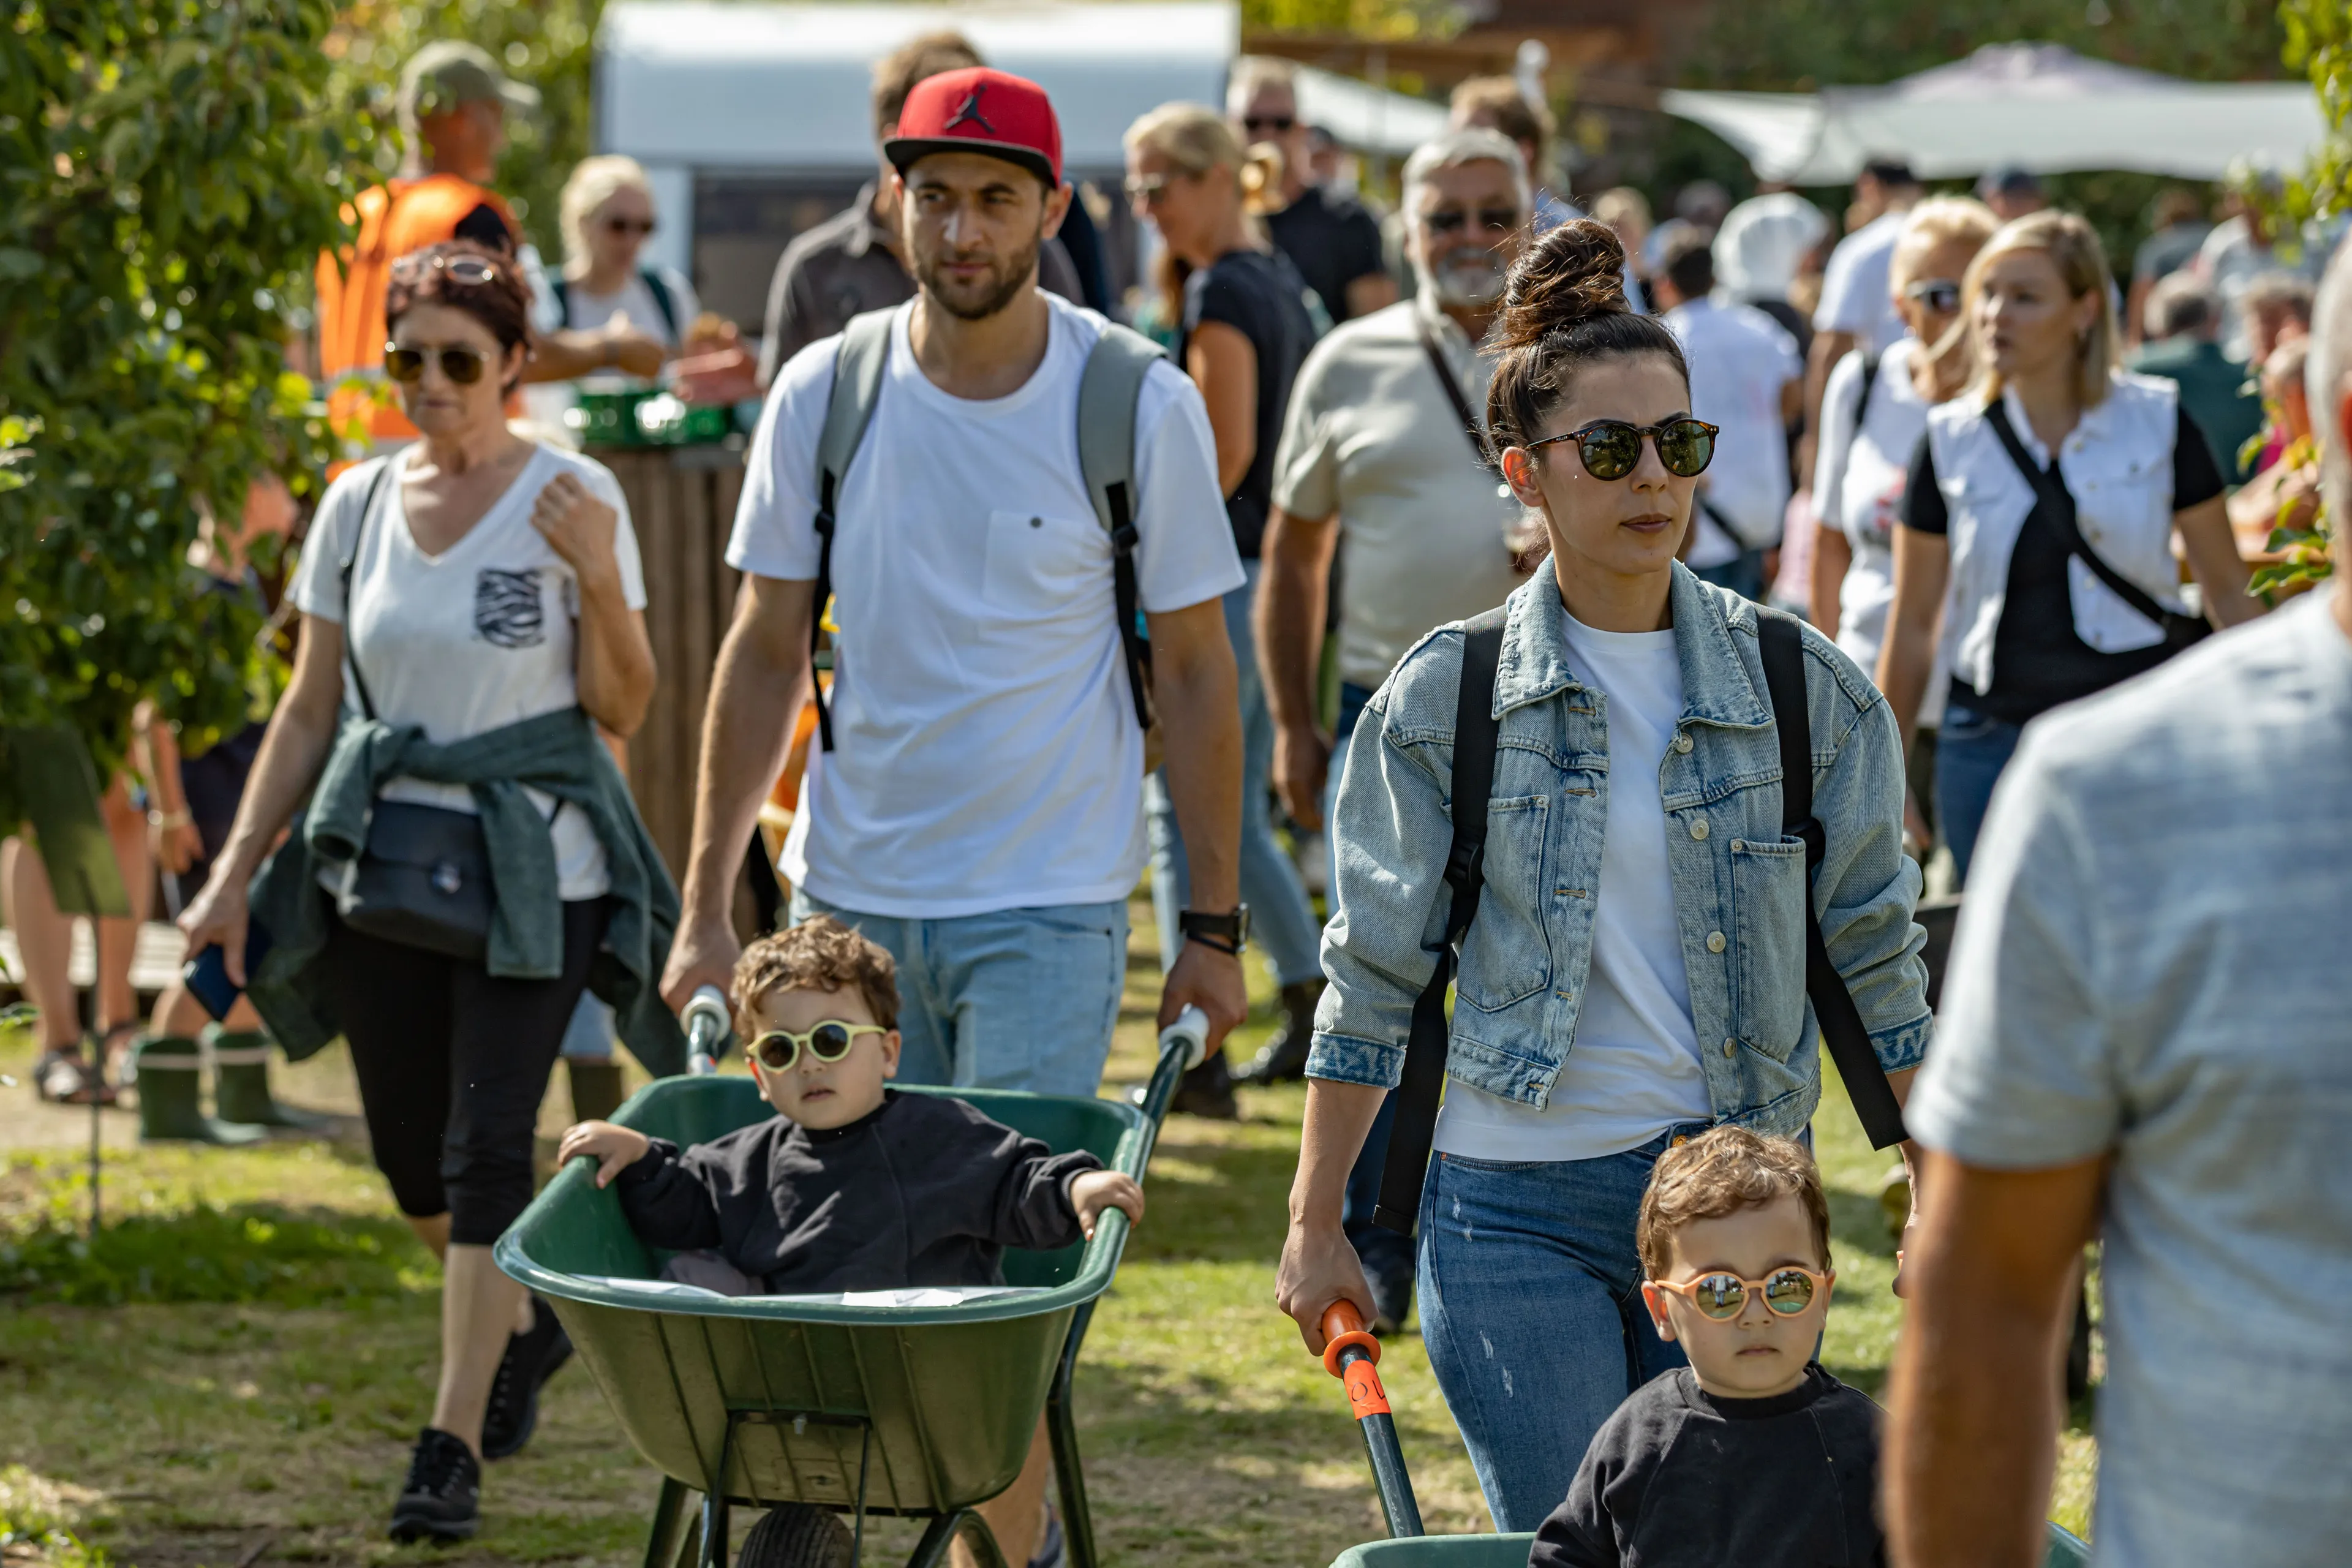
point(1191, 1027)
point(707, 1023)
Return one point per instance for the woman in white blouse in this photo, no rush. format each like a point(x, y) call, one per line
point(1873, 416)
point(2052, 584)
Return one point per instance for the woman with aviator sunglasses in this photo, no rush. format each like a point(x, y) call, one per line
point(470, 603)
point(1636, 969)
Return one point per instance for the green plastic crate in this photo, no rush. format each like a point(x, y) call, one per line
point(1511, 1551)
point(765, 1401)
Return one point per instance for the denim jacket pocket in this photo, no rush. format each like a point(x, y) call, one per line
point(1506, 957)
point(1769, 888)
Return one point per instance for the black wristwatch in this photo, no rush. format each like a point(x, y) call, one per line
point(1227, 933)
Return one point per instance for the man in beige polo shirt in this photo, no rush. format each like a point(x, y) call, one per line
point(1378, 450)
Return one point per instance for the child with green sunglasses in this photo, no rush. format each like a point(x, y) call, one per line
point(1752, 1454)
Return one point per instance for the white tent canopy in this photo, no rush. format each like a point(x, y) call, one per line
point(715, 86)
point(2036, 106)
point(1366, 118)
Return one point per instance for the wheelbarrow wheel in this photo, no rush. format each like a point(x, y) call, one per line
point(796, 1535)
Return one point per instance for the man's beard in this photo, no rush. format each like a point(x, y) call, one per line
point(1005, 283)
point(1467, 280)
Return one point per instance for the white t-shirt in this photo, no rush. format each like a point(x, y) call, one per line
point(1858, 292)
point(1633, 1070)
point(589, 313)
point(479, 637)
point(1739, 359)
point(988, 756)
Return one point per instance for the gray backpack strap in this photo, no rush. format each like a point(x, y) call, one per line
point(1109, 393)
point(858, 368)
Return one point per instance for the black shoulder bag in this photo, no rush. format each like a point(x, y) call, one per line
point(2056, 503)
point(1475, 734)
point(422, 878)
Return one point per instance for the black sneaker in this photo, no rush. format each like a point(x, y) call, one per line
point(530, 1360)
point(442, 1498)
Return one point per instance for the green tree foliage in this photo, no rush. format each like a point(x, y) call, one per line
point(167, 179)
point(1386, 19)
point(548, 45)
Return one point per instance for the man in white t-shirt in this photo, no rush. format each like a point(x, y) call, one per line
point(1857, 308)
point(979, 813)
point(1746, 377)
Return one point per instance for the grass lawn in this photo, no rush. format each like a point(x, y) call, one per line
point(232, 1375)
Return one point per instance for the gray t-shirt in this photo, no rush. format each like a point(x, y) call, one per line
point(2152, 967)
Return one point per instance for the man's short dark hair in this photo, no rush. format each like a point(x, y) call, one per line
point(2180, 305)
point(2282, 294)
point(1514, 116)
point(916, 59)
point(1688, 260)
point(1896, 172)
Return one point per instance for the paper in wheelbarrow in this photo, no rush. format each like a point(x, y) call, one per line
point(917, 1296)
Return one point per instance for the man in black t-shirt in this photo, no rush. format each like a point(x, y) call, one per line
point(1331, 238)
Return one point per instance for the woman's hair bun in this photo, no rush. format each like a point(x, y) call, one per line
point(1573, 273)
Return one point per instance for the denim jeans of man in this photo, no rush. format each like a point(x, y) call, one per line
point(1971, 750)
point(1531, 1311)
point(1011, 999)
point(1384, 1254)
point(1282, 918)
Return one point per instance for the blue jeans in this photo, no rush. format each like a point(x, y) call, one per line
point(1282, 919)
point(1012, 999)
point(589, 1036)
point(1531, 1311)
point(1971, 750)
point(1744, 575)
point(1384, 1254)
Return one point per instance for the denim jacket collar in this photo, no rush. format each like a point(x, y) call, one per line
point(1717, 688)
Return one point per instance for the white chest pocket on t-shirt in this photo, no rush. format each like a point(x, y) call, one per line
point(1042, 564)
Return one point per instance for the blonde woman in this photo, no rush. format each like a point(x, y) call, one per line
point(1242, 330)
point(2058, 583)
point(608, 215)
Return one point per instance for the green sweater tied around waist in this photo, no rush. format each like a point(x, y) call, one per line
point(558, 753)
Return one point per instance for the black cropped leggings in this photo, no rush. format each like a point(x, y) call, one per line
point(452, 1064)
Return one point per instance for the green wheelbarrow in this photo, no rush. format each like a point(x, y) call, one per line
point(814, 1408)
point(1352, 1355)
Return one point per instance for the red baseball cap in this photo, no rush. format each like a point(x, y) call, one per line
point(978, 109)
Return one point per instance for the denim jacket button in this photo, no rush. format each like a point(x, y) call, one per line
point(1698, 829)
point(1682, 743)
point(1714, 942)
point(1730, 1047)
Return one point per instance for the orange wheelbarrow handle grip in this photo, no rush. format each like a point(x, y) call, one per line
point(1343, 1327)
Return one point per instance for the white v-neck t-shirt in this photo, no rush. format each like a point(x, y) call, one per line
point(1632, 1070)
point(481, 636)
point(987, 755)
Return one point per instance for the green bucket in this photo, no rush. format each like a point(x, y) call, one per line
point(907, 1410)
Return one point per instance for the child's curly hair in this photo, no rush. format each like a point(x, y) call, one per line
point(818, 954)
point(1721, 1172)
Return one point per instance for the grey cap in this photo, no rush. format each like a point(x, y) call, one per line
point(448, 72)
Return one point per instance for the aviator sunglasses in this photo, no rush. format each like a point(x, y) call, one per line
point(1721, 1295)
point(462, 366)
point(470, 271)
point(778, 1050)
point(1494, 220)
point(1610, 447)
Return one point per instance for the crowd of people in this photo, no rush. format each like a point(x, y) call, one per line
point(1744, 563)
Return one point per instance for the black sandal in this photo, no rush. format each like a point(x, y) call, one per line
point(63, 1077)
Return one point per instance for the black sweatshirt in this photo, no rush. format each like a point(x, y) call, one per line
point(1677, 1476)
point(923, 1191)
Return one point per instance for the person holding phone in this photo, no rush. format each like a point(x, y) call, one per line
point(470, 605)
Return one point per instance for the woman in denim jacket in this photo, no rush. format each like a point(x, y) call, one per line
point(1636, 970)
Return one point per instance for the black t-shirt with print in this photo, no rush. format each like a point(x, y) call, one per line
point(1260, 295)
point(2038, 660)
point(1333, 240)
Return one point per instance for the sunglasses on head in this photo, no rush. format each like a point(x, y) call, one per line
point(469, 270)
point(462, 366)
point(1611, 448)
point(626, 226)
point(778, 1050)
point(1275, 123)
point(1721, 1295)
point(1941, 295)
point(1494, 220)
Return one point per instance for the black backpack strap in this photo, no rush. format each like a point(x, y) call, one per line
point(858, 363)
point(1423, 1084)
point(2050, 490)
point(561, 286)
point(1473, 428)
point(1781, 641)
point(1869, 380)
point(664, 302)
point(350, 564)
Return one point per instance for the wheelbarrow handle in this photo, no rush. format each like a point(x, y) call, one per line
point(706, 1027)
point(1353, 1356)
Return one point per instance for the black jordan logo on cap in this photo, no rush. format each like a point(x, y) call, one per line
point(969, 110)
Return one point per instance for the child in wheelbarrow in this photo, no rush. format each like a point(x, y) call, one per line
point(1752, 1455)
point(853, 1187)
